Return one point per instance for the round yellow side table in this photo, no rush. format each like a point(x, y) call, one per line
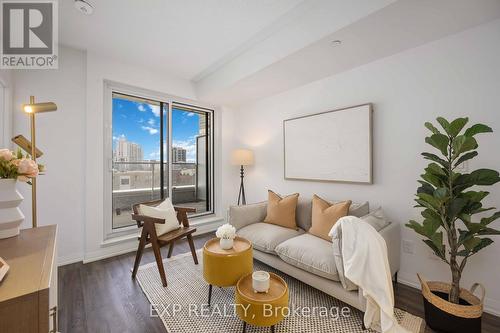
point(223, 268)
point(261, 309)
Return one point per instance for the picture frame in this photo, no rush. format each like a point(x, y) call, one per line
point(330, 146)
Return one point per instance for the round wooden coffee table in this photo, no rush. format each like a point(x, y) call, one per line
point(223, 268)
point(261, 309)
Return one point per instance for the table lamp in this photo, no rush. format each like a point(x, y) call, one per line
point(242, 157)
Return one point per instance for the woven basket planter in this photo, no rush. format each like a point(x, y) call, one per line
point(443, 316)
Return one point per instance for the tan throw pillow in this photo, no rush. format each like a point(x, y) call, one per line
point(325, 215)
point(281, 211)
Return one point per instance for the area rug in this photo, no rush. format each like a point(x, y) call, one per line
point(182, 305)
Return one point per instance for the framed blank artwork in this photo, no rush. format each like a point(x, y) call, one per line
point(330, 146)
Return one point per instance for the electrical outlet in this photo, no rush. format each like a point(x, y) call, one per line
point(408, 246)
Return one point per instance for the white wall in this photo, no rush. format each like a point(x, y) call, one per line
point(61, 136)
point(455, 76)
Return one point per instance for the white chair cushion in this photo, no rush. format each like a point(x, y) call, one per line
point(164, 210)
point(266, 236)
point(311, 254)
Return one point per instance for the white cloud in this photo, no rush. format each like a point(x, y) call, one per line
point(190, 114)
point(141, 107)
point(151, 130)
point(116, 138)
point(151, 122)
point(155, 109)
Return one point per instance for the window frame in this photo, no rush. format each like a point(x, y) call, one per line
point(111, 87)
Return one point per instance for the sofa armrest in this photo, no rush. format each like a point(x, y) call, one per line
point(392, 236)
point(241, 216)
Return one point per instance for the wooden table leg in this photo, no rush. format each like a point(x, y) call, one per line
point(244, 326)
point(209, 294)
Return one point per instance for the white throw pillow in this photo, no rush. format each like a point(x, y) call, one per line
point(164, 210)
point(376, 219)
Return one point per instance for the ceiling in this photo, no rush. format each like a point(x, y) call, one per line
point(191, 39)
point(237, 51)
point(181, 37)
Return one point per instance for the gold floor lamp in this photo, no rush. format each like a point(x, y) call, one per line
point(32, 109)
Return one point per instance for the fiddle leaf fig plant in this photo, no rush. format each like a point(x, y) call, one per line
point(450, 199)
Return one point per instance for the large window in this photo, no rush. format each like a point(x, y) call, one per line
point(159, 149)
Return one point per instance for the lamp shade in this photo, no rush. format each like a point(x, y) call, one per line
point(242, 157)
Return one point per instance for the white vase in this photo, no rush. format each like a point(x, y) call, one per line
point(11, 216)
point(226, 244)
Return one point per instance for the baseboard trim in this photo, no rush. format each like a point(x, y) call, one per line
point(62, 261)
point(491, 306)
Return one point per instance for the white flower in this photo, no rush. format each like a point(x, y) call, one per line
point(226, 231)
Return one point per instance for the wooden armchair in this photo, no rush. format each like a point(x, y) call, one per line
point(149, 235)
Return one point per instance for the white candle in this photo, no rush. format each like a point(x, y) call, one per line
point(260, 281)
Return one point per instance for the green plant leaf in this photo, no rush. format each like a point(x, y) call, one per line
point(463, 143)
point(435, 158)
point(439, 141)
point(455, 207)
point(436, 170)
point(476, 129)
point(475, 196)
point(444, 124)
point(488, 220)
point(477, 177)
point(437, 251)
point(430, 227)
point(482, 244)
point(425, 204)
point(431, 128)
point(432, 179)
point(430, 199)
point(471, 243)
point(485, 177)
point(441, 193)
point(474, 228)
point(425, 188)
point(488, 232)
point(417, 227)
point(465, 157)
point(457, 125)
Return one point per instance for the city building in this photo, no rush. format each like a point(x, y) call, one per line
point(178, 155)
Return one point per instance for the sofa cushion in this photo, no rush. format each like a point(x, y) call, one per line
point(266, 236)
point(304, 211)
point(325, 215)
point(376, 219)
point(309, 253)
point(281, 210)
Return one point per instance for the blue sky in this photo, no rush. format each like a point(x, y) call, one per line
point(140, 123)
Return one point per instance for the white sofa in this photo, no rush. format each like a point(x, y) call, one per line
point(307, 258)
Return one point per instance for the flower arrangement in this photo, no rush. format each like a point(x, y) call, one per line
point(226, 231)
point(18, 166)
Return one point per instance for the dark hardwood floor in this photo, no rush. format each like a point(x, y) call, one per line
point(101, 297)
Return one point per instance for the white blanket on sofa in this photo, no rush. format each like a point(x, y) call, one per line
point(365, 263)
